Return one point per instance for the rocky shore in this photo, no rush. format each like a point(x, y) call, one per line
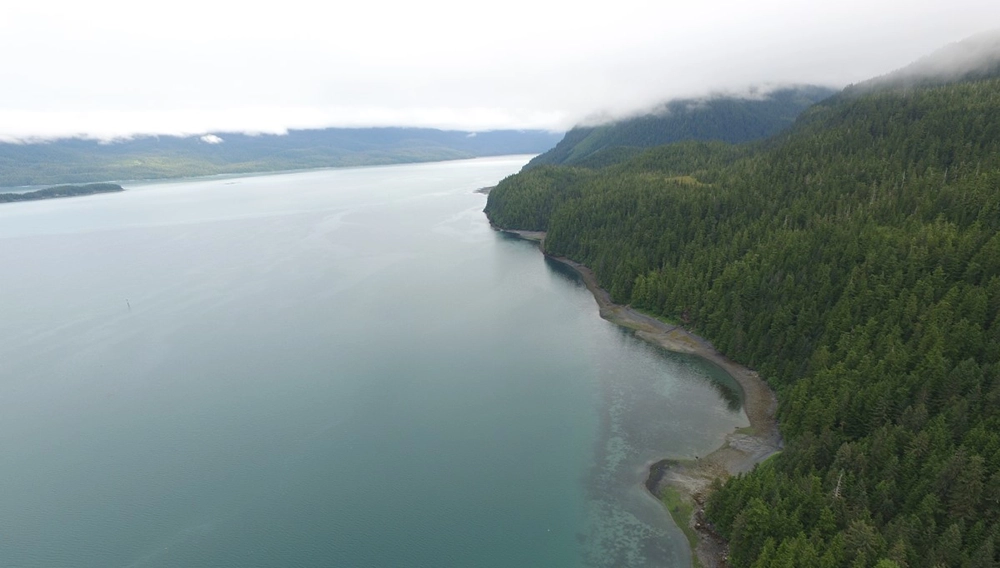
point(687, 481)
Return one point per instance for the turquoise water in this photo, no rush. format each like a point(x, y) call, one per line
point(327, 368)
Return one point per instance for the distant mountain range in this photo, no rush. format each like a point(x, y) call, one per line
point(725, 118)
point(154, 157)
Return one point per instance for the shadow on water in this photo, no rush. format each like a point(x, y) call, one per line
point(508, 236)
point(563, 270)
point(723, 383)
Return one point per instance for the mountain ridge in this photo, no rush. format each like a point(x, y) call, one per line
point(976, 57)
point(732, 119)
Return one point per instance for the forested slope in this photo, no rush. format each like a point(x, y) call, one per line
point(854, 261)
point(726, 119)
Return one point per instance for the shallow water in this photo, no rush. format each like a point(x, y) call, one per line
point(328, 368)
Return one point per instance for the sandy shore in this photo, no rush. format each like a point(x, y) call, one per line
point(744, 448)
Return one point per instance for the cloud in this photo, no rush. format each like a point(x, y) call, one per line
point(110, 68)
point(211, 139)
point(20, 126)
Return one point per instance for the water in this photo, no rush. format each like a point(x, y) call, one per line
point(329, 368)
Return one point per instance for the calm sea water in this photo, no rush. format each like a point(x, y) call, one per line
point(330, 368)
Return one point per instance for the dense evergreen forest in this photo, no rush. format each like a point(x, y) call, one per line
point(155, 157)
point(854, 260)
point(728, 119)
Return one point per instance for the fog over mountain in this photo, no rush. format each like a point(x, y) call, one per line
point(973, 57)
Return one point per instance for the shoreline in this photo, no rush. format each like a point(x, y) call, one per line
point(233, 175)
point(687, 483)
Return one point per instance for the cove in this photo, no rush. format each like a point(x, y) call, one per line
point(341, 367)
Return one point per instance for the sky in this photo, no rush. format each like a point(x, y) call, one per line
point(108, 68)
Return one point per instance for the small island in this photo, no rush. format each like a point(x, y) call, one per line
point(62, 191)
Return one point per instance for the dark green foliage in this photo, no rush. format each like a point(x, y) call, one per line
point(725, 119)
point(854, 260)
point(526, 200)
point(152, 157)
point(61, 191)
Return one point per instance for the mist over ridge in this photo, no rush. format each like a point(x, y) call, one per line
point(975, 57)
point(733, 118)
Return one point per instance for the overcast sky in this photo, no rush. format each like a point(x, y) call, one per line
point(107, 68)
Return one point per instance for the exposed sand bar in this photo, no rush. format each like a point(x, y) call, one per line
point(743, 448)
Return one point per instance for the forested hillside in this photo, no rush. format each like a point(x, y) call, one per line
point(153, 157)
point(854, 261)
point(726, 119)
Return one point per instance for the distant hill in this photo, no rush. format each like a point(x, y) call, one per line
point(154, 157)
point(726, 119)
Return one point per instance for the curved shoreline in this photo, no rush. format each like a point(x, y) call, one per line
point(690, 481)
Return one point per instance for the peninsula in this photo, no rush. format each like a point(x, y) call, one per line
point(61, 191)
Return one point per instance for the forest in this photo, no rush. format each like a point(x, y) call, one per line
point(726, 118)
point(854, 261)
